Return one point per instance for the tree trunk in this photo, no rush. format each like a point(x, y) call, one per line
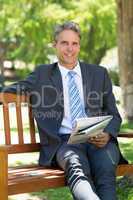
point(125, 52)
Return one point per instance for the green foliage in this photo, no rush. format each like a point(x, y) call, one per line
point(99, 30)
point(114, 77)
point(22, 73)
point(26, 27)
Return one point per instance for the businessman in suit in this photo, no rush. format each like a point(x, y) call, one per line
point(89, 167)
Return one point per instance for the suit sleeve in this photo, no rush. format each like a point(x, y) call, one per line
point(24, 86)
point(110, 108)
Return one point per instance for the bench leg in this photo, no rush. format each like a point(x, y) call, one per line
point(4, 196)
point(3, 174)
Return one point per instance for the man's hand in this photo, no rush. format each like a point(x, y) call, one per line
point(100, 140)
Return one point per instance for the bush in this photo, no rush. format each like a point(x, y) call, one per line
point(22, 73)
point(114, 77)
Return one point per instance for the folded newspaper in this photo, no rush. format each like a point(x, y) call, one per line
point(88, 127)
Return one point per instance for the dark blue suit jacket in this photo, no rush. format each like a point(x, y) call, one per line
point(46, 89)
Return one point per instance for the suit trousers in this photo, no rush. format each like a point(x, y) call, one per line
point(90, 171)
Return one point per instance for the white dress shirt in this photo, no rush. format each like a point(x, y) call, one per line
point(66, 125)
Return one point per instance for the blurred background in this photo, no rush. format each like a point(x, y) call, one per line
point(26, 28)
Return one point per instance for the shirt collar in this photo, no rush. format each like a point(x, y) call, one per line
point(64, 71)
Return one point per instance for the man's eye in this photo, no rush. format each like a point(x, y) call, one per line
point(75, 44)
point(64, 43)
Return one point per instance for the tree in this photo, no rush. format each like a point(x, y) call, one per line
point(125, 50)
point(27, 27)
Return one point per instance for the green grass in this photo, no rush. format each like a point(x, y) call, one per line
point(125, 188)
point(127, 127)
point(125, 184)
point(55, 194)
point(127, 149)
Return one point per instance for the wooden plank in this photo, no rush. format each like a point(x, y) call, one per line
point(31, 125)
point(124, 169)
point(6, 124)
point(23, 148)
point(126, 135)
point(10, 98)
point(21, 174)
point(29, 179)
point(19, 124)
point(43, 171)
point(3, 174)
point(37, 178)
point(32, 184)
point(5, 99)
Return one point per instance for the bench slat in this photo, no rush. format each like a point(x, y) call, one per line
point(18, 100)
point(36, 184)
point(19, 125)
point(6, 124)
point(13, 98)
point(126, 135)
point(34, 179)
point(124, 169)
point(31, 126)
point(23, 180)
point(23, 148)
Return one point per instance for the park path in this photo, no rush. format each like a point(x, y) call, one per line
point(26, 197)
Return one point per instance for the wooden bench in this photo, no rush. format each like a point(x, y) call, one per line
point(30, 178)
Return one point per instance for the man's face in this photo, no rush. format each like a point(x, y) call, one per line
point(67, 48)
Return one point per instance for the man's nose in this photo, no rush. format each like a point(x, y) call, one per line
point(69, 47)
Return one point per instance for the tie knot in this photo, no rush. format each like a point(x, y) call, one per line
point(71, 73)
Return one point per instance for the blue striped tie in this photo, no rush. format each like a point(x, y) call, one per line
point(76, 107)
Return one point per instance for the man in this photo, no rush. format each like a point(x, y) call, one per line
point(89, 167)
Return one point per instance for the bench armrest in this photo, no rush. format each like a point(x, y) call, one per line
point(126, 135)
point(4, 148)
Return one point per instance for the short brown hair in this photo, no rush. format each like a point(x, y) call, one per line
point(67, 26)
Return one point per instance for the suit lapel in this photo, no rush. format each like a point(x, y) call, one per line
point(87, 77)
point(57, 82)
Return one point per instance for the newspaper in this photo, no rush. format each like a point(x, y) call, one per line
point(88, 127)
